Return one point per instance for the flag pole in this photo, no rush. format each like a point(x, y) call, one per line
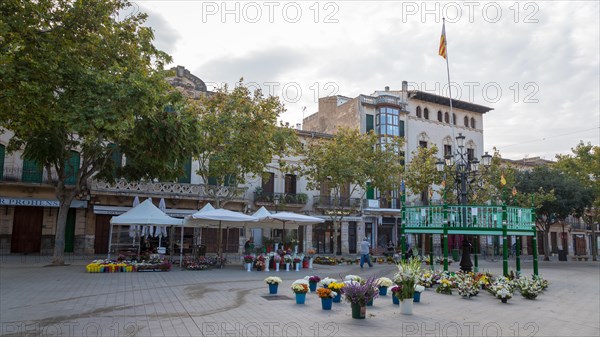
point(445, 56)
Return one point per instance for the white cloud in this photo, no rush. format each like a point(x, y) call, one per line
point(553, 62)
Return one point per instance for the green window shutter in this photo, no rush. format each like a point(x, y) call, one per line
point(72, 169)
point(2, 151)
point(401, 127)
point(229, 180)
point(32, 172)
point(116, 157)
point(370, 124)
point(187, 172)
point(212, 181)
point(370, 191)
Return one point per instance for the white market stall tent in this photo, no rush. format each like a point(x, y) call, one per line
point(144, 214)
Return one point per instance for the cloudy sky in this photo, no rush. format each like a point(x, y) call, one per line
point(537, 64)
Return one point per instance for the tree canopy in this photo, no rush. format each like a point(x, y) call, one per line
point(74, 76)
point(237, 136)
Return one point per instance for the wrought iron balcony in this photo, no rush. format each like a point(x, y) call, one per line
point(166, 189)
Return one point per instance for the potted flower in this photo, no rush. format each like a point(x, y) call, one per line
point(300, 288)
point(337, 287)
point(383, 283)
point(407, 276)
point(248, 259)
point(297, 263)
point(327, 281)
point(273, 282)
point(312, 282)
point(311, 252)
point(287, 259)
point(277, 259)
point(260, 263)
point(359, 294)
point(326, 295)
point(418, 290)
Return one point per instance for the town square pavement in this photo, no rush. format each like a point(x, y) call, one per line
point(37, 300)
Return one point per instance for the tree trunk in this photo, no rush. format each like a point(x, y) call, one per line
point(58, 258)
point(546, 243)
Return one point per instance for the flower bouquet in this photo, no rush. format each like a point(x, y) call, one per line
point(287, 258)
point(353, 278)
point(327, 281)
point(248, 258)
point(529, 288)
point(466, 285)
point(396, 294)
point(445, 287)
point(312, 281)
point(407, 276)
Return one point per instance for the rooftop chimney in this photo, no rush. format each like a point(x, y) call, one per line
point(298, 126)
point(387, 88)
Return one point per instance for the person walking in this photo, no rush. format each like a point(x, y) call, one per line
point(364, 252)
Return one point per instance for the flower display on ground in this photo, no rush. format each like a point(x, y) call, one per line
point(466, 284)
point(360, 293)
point(445, 287)
point(248, 258)
point(419, 288)
point(273, 280)
point(384, 282)
point(277, 258)
point(529, 288)
point(426, 279)
point(326, 293)
point(287, 258)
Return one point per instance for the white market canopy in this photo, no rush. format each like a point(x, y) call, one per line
point(289, 220)
point(207, 217)
point(145, 214)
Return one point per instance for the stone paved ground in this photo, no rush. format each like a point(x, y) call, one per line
point(65, 301)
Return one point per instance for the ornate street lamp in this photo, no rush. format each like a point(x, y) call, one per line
point(466, 171)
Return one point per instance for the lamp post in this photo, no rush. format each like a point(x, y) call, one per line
point(465, 171)
point(276, 199)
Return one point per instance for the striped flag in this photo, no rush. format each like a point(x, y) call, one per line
point(442, 50)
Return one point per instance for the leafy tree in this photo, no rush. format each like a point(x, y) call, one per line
point(238, 136)
point(75, 77)
point(561, 195)
point(584, 164)
point(345, 164)
point(421, 172)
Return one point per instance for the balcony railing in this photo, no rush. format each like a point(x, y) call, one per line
point(18, 174)
point(283, 198)
point(464, 217)
point(325, 201)
point(392, 100)
point(133, 188)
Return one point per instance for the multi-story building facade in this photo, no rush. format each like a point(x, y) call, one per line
point(422, 118)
